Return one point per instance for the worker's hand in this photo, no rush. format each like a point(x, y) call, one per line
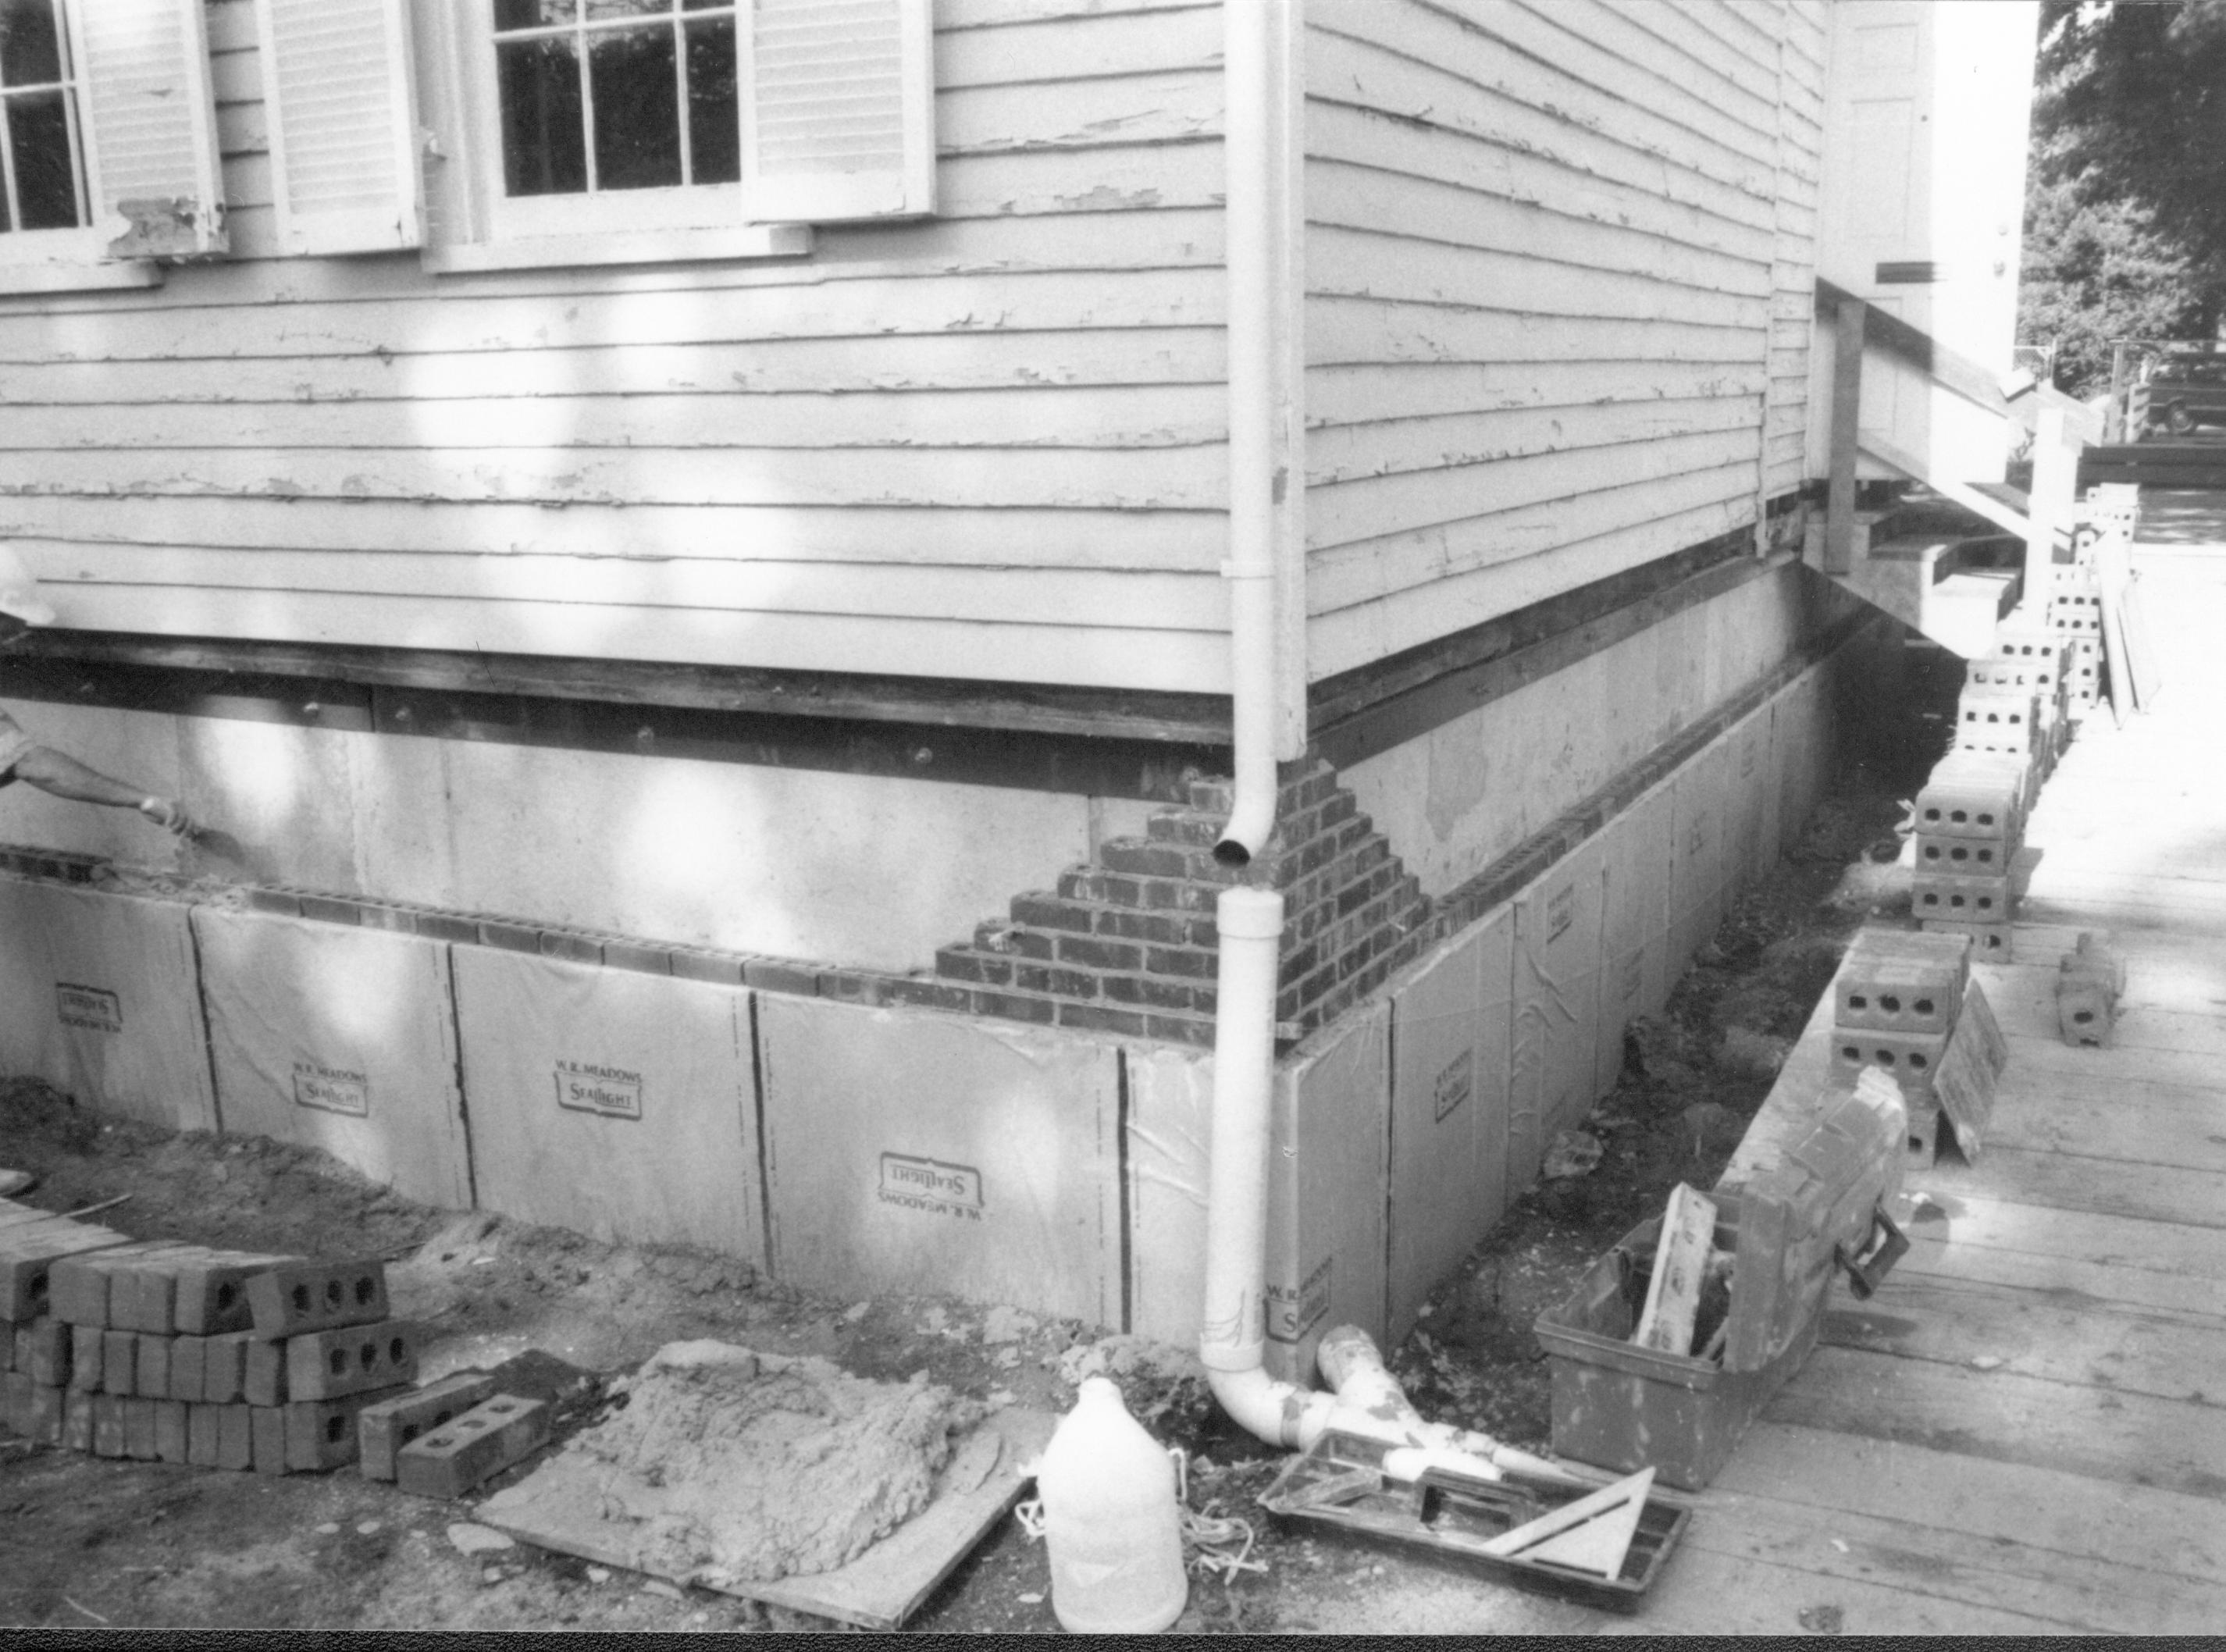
point(167, 813)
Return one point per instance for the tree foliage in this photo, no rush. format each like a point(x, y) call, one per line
point(2126, 200)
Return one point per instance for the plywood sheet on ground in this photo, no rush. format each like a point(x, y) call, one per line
point(880, 1590)
point(339, 1039)
point(619, 1104)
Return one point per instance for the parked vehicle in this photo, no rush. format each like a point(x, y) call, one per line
point(2185, 393)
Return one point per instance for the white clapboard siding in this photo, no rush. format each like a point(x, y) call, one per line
point(1073, 652)
point(148, 126)
point(838, 110)
point(1550, 242)
point(341, 118)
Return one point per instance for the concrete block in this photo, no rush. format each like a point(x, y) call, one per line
point(1990, 943)
point(907, 1151)
point(16, 1390)
point(202, 1424)
point(108, 1438)
point(262, 1373)
point(1969, 900)
point(322, 1434)
point(150, 1377)
point(298, 1297)
point(119, 1361)
point(188, 1359)
point(42, 1351)
point(224, 1368)
point(112, 1014)
point(2089, 980)
point(1983, 857)
point(28, 1254)
point(620, 1103)
point(386, 1425)
point(88, 1360)
point(7, 1347)
point(171, 1444)
point(80, 1284)
point(329, 1364)
point(478, 1446)
point(139, 1429)
point(1910, 1060)
point(1953, 808)
point(48, 1414)
point(267, 1433)
point(1697, 900)
point(1897, 982)
point(77, 1422)
point(1554, 1070)
point(1451, 1026)
point(337, 1039)
point(210, 1295)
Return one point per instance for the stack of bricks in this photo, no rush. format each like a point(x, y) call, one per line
point(1127, 943)
point(2074, 622)
point(1896, 1002)
point(1970, 825)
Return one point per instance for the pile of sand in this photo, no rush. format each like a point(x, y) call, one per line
point(732, 1467)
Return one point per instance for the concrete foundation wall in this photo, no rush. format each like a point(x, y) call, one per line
point(862, 871)
point(1457, 799)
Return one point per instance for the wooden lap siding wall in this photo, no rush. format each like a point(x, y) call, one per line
point(987, 445)
point(1557, 268)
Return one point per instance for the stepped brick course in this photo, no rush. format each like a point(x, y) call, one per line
point(1126, 943)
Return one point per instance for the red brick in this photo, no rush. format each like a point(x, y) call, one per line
point(509, 937)
point(330, 909)
point(772, 975)
point(445, 926)
point(108, 1425)
point(329, 1364)
point(926, 993)
point(188, 1358)
point(224, 1368)
point(1180, 1029)
point(139, 1430)
point(262, 1373)
point(170, 1438)
point(476, 1447)
point(385, 1426)
point(202, 1424)
point(1096, 1018)
point(119, 1361)
point(1048, 912)
point(266, 1429)
point(235, 1436)
point(1192, 964)
point(1013, 1007)
point(1146, 859)
point(620, 953)
point(77, 1422)
point(1094, 953)
point(262, 899)
point(1061, 983)
point(150, 1377)
point(317, 1296)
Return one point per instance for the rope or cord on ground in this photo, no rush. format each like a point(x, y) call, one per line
point(1214, 1544)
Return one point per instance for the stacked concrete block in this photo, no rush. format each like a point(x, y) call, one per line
point(2089, 980)
point(2074, 622)
point(1970, 825)
point(1896, 1002)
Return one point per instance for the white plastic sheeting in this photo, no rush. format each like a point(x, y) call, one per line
point(101, 999)
point(1556, 1022)
point(339, 1038)
point(1635, 976)
point(621, 1104)
point(913, 1152)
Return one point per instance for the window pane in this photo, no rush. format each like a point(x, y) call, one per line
point(544, 149)
point(715, 121)
point(637, 108)
point(533, 14)
point(46, 183)
point(30, 52)
point(629, 8)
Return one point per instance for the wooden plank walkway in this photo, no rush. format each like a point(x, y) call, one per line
point(2025, 1430)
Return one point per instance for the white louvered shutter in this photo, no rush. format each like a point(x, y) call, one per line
point(838, 110)
point(148, 126)
point(342, 119)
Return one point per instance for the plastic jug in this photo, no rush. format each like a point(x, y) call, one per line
point(1112, 1520)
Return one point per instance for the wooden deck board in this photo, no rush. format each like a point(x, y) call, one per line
point(2024, 1428)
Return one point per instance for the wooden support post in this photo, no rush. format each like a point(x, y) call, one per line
point(1681, 1262)
point(2055, 484)
point(1847, 409)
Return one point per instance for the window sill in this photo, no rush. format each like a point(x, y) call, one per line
point(58, 277)
point(648, 247)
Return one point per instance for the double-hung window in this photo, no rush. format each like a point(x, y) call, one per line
point(617, 130)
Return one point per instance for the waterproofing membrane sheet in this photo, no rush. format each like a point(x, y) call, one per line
point(1555, 1054)
point(619, 1104)
point(913, 1152)
point(1451, 1026)
point(103, 1002)
point(339, 1039)
point(1635, 978)
point(1697, 852)
point(1324, 1249)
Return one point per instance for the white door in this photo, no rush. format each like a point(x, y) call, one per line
point(1928, 109)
